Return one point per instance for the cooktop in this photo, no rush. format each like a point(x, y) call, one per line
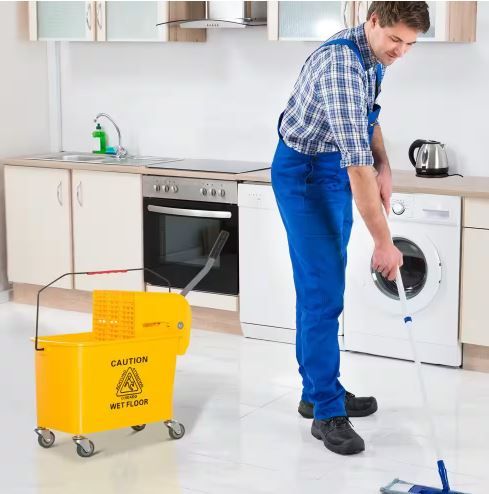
point(209, 165)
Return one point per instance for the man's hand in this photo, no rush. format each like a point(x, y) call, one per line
point(387, 259)
point(384, 182)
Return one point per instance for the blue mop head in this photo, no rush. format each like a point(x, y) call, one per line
point(400, 487)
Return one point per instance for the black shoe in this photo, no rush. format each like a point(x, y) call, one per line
point(338, 435)
point(355, 407)
point(306, 409)
point(359, 407)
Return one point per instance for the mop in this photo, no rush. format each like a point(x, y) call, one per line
point(399, 486)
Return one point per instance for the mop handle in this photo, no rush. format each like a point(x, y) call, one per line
point(408, 321)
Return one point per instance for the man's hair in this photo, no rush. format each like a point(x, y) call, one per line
point(414, 14)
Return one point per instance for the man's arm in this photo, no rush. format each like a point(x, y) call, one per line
point(381, 164)
point(386, 258)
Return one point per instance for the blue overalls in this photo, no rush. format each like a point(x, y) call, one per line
point(315, 201)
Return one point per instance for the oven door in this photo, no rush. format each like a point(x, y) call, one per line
point(178, 237)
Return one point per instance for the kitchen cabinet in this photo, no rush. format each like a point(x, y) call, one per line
point(475, 273)
point(64, 21)
point(317, 21)
point(450, 21)
point(308, 21)
point(38, 220)
point(131, 21)
point(107, 229)
point(113, 21)
point(474, 326)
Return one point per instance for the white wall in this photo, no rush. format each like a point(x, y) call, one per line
point(221, 98)
point(23, 98)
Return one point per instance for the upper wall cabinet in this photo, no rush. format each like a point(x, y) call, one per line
point(308, 21)
point(113, 21)
point(450, 21)
point(317, 21)
point(71, 21)
point(131, 21)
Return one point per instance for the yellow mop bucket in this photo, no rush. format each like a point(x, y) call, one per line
point(121, 373)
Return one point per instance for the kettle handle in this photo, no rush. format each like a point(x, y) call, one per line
point(416, 144)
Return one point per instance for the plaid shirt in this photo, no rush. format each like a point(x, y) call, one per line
point(327, 111)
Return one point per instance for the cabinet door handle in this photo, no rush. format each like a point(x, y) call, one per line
point(98, 14)
point(79, 197)
point(88, 16)
point(60, 193)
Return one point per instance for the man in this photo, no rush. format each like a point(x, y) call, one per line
point(331, 147)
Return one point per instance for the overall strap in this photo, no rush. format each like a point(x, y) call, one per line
point(378, 79)
point(354, 47)
point(351, 44)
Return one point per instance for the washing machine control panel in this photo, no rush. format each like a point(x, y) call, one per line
point(402, 205)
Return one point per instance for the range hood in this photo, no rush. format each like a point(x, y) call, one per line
point(227, 14)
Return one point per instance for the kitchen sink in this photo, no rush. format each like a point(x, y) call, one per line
point(76, 158)
point(105, 159)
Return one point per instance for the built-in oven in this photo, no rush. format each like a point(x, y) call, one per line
point(182, 219)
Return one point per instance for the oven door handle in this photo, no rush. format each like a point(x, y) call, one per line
point(196, 213)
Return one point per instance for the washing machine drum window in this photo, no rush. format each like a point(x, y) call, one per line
point(414, 271)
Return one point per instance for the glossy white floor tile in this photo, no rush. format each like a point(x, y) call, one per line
point(238, 400)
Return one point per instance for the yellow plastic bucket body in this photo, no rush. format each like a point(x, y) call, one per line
point(85, 384)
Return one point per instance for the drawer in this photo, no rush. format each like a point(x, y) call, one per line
point(476, 213)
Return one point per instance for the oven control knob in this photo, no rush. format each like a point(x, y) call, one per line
point(398, 208)
point(203, 191)
point(221, 192)
point(213, 192)
point(157, 187)
point(174, 189)
point(167, 188)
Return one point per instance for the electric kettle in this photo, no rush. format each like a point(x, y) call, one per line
point(431, 158)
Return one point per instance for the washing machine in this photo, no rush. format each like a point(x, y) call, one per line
point(427, 230)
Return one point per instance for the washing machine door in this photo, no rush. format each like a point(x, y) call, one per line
point(421, 274)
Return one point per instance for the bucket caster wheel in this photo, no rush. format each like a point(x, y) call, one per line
point(84, 447)
point(45, 437)
point(175, 429)
point(138, 428)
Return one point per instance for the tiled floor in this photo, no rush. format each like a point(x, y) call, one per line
point(237, 399)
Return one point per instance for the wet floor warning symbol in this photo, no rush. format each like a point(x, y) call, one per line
point(130, 383)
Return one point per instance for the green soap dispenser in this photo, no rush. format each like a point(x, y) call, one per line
point(100, 138)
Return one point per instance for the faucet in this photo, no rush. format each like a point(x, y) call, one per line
point(121, 151)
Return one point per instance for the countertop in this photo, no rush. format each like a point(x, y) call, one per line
point(128, 167)
point(406, 181)
point(402, 180)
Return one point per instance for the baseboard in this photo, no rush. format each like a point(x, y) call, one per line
point(476, 357)
point(4, 296)
point(203, 299)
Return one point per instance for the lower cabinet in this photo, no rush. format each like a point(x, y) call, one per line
point(107, 229)
point(38, 221)
point(474, 321)
point(60, 221)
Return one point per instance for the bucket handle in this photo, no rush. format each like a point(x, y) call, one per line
point(213, 255)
